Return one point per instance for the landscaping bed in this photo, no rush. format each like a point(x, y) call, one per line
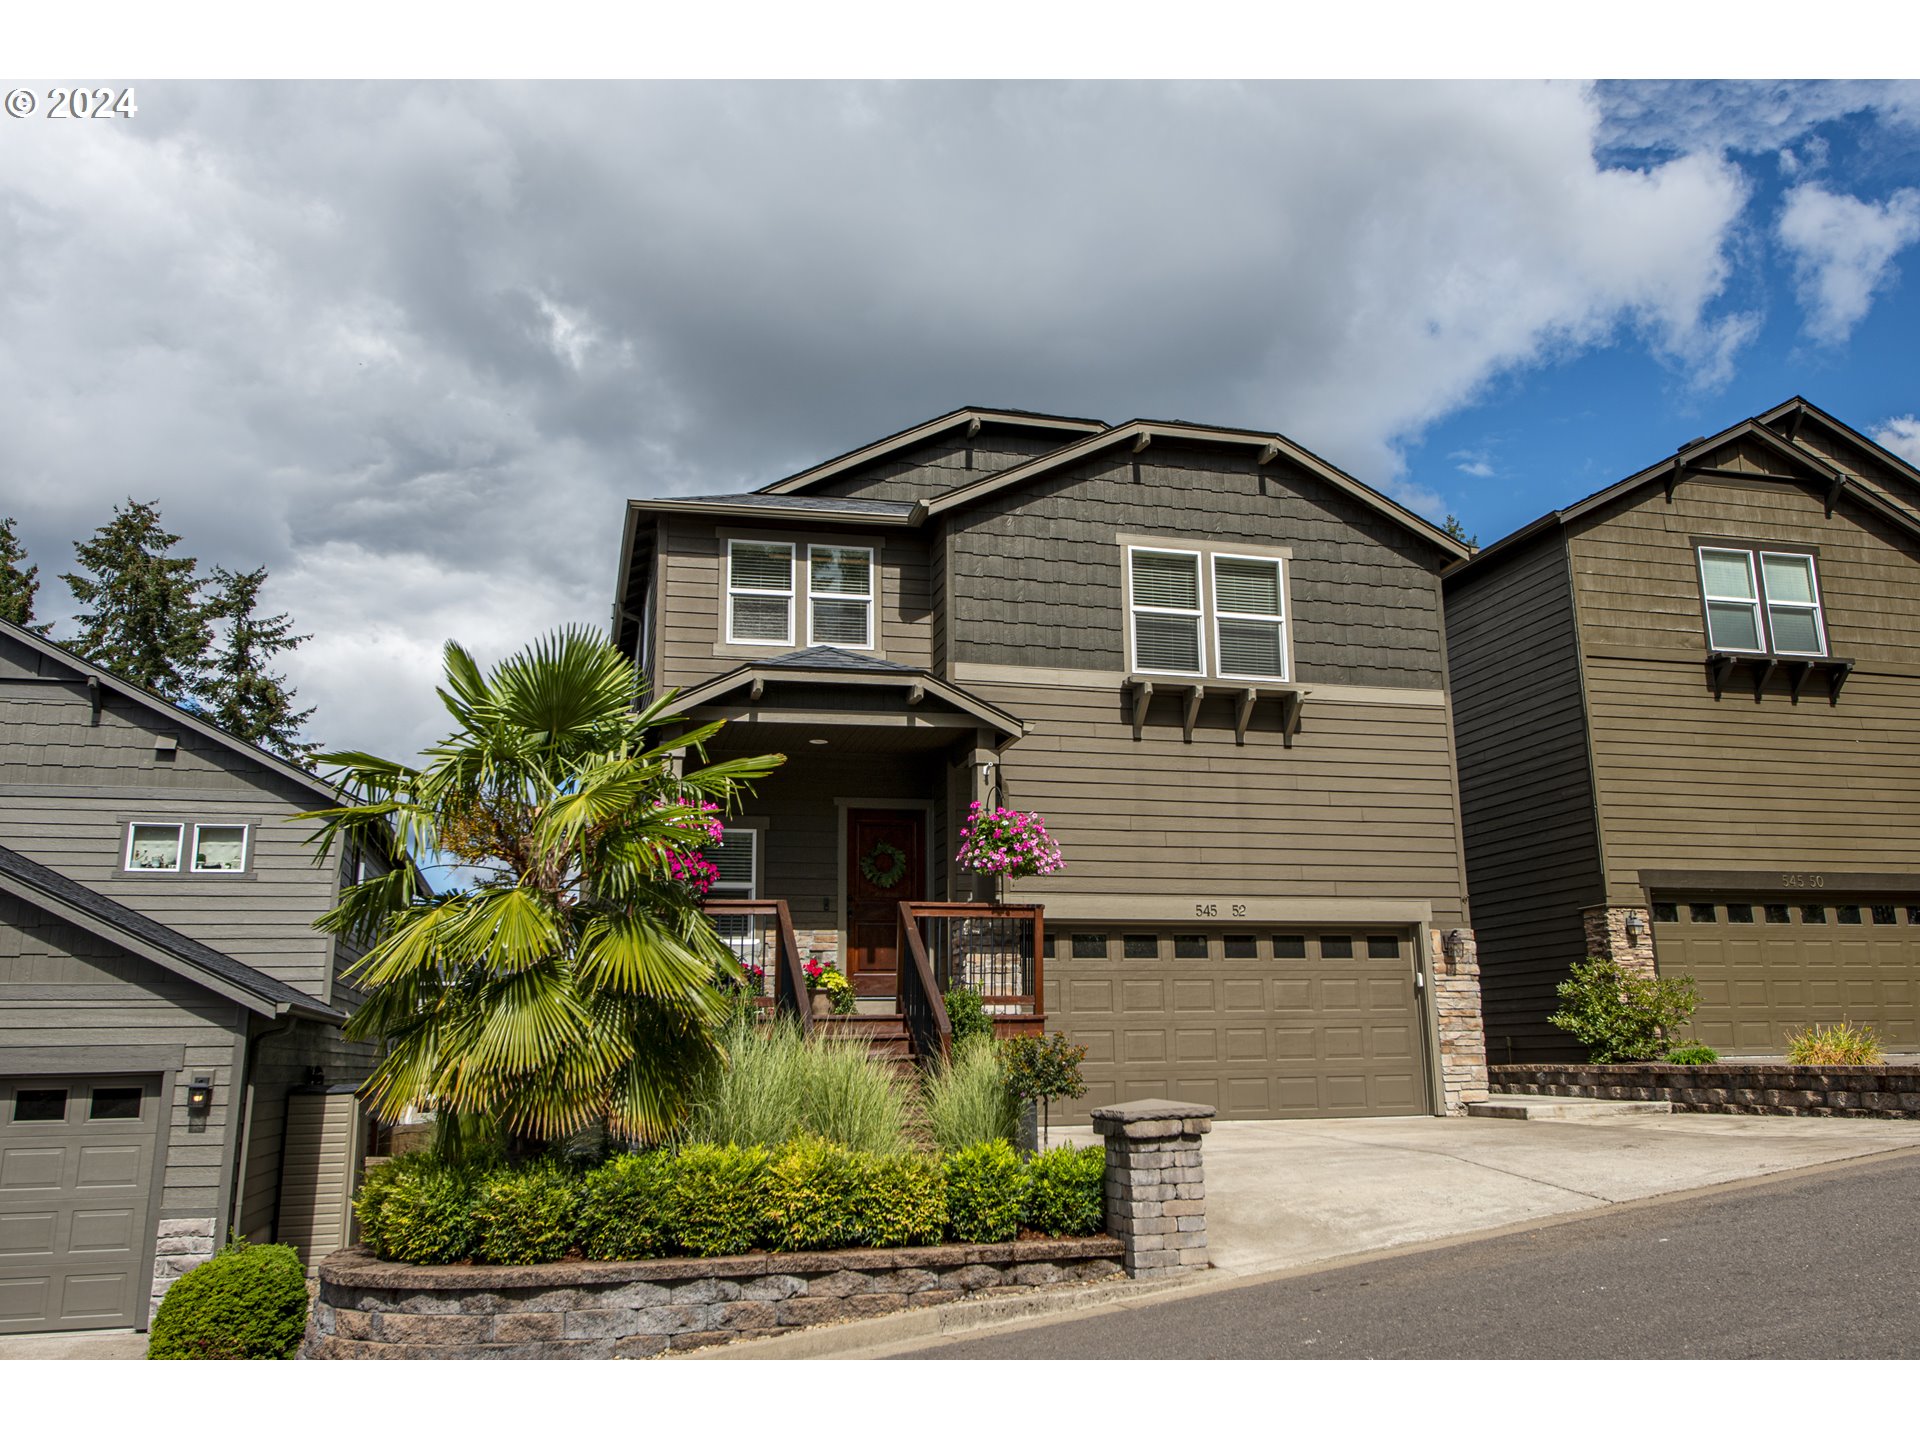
point(1755, 1087)
point(370, 1309)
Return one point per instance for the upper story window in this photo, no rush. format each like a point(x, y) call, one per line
point(1761, 602)
point(220, 847)
point(162, 849)
point(153, 847)
point(840, 596)
point(759, 592)
point(736, 858)
point(1172, 592)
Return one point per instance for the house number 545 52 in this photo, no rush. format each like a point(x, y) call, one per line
point(1204, 910)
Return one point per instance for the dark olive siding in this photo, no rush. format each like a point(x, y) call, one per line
point(1037, 568)
point(61, 986)
point(943, 463)
point(693, 617)
point(1688, 782)
point(1526, 794)
point(282, 1058)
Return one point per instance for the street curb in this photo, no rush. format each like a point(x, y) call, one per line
point(863, 1339)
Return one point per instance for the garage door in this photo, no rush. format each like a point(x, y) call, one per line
point(76, 1164)
point(1766, 966)
point(1261, 1026)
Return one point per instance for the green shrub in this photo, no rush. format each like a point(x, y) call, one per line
point(1693, 1055)
point(967, 1014)
point(813, 1197)
point(1066, 1191)
point(527, 1217)
point(249, 1302)
point(1841, 1044)
point(1618, 1015)
point(626, 1207)
point(776, 1086)
point(968, 1100)
point(418, 1211)
point(986, 1193)
point(903, 1200)
point(719, 1199)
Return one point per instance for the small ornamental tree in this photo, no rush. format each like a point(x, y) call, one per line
point(1621, 1016)
point(1044, 1068)
point(1014, 843)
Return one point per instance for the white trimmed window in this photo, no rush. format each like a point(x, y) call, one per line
point(840, 596)
point(759, 592)
point(737, 858)
point(1249, 620)
point(153, 847)
point(1761, 602)
point(1165, 598)
point(219, 848)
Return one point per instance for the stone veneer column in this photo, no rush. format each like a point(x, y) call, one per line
point(1156, 1192)
point(1606, 927)
point(179, 1245)
point(1458, 1022)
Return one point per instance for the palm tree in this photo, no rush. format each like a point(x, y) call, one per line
point(574, 980)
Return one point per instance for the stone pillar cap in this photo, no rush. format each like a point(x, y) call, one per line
point(1135, 1111)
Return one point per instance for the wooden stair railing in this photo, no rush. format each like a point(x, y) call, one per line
point(788, 977)
point(922, 1002)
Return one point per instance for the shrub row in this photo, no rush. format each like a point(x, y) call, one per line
point(809, 1194)
point(249, 1302)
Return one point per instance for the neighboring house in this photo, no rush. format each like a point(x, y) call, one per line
point(162, 991)
point(1214, 663)
point(1685, 714)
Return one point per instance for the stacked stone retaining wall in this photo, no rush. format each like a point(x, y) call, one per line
point(1889, 1092)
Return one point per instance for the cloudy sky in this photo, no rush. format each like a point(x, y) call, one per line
point(411, 345)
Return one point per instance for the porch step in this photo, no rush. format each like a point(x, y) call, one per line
point(1563, 1107)
point(885, 1034)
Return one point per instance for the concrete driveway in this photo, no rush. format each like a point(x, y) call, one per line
point(1284, 1193)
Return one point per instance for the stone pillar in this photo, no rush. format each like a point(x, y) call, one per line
point(1606, 927)
point(180, 1245)
point(1156, 1193)
point(1457, 1021)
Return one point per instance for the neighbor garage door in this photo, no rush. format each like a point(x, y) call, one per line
point(1262, 1026)
point(76, 1166)
point(1766, 966)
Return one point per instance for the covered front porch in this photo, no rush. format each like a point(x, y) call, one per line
point(843, 855)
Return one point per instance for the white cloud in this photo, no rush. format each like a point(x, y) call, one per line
point(1473, 462)
point(1843, 250)
point(411, 346)
point(1901, 435)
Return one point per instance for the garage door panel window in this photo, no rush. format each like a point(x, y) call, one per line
point(1336, 947)
point(1383, 947)
point(34, 1107)
point(1289, 947)
point(1140, 947)
point(114, 1102)
point(1239, 947)
point(1189, 947)
point(1089, 945)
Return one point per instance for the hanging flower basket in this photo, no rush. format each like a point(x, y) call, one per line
point(1014, 843)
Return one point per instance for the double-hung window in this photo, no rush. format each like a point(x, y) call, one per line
point(1761, 602)
point(736, 857)
point(840, 596)
point(1166, 612)
point(1249, 623)
point(759, 592)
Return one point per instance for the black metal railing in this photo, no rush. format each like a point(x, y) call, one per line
point(994, 950)
point(760, 935)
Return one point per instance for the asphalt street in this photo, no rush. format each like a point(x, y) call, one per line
point(1823, 1266)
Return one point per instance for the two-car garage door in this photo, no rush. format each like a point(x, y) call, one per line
point(76, 1170)
point(1261, 1025)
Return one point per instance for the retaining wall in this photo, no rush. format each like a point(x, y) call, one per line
point(1889, 1092)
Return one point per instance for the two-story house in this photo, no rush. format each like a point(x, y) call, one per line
point(1213, 662)
point(1685, 711)
point(163, 994)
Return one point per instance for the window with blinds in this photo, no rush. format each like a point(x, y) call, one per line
point(1761, 602)
point(759, 592)
point(1166, 612)
point(736, 857)
point(840, 596)
point(1249, 624)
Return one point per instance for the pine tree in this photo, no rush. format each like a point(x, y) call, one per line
point(148, 623)
point(17, 586)
point(241, 694)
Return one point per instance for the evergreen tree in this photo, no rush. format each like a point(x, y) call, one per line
point(17, 585)
point(147, 623)
point(1458, 531)
point(241, 693)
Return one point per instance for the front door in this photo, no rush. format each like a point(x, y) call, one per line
point(886, 863)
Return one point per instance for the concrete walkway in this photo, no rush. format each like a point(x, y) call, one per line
point(78, 1345)
point(1283, 1193)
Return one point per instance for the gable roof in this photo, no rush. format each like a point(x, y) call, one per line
point(146, 937)
point(1792, 414)
point(826, 665)
point(973, 416)
point(106, 680)
point(1815, 468)
point(757, 505)
point(1141, 434)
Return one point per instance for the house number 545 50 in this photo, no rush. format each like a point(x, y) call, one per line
point(1204, 910)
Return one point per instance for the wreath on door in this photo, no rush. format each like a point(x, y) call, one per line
point(885, 865)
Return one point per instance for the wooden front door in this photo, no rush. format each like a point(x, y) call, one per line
point(886, 863)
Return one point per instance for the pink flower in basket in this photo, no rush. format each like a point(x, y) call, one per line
point(999, 841)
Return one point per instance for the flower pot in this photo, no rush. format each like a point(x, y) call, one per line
point(822, 1004)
